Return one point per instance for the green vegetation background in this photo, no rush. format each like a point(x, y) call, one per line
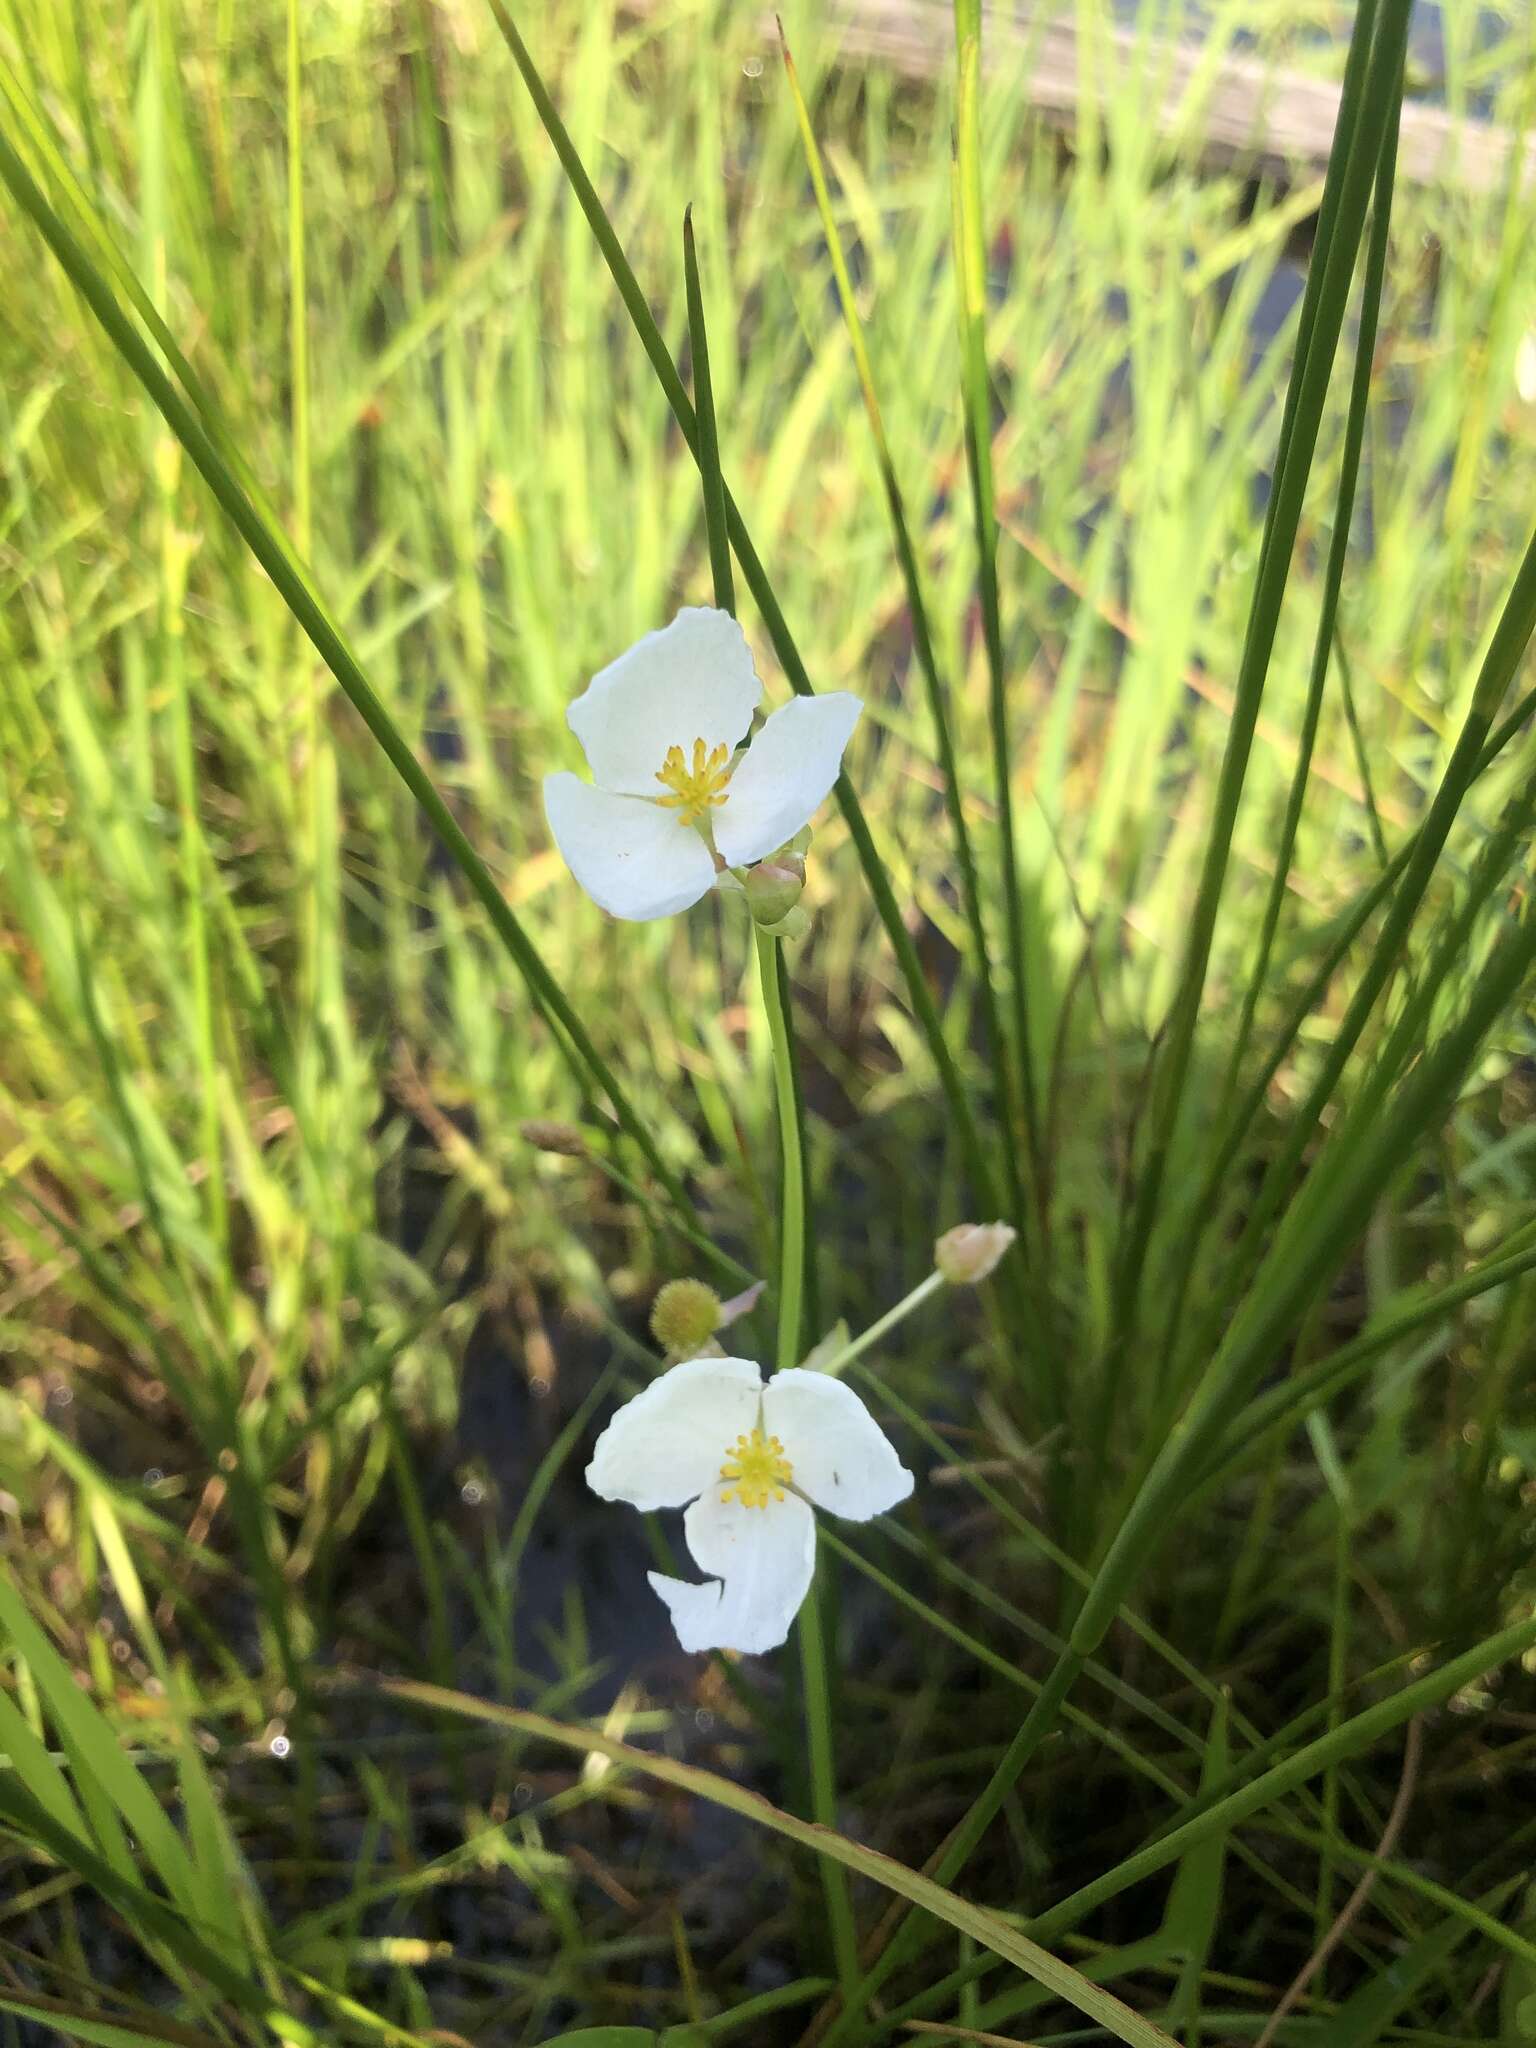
point(305, 1340)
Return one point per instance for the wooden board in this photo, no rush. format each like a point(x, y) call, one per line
point(1227, 106)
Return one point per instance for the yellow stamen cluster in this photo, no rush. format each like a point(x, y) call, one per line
point(759, 1469)
point(697, 789)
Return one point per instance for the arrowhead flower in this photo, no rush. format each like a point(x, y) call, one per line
point(672, 803)
point(749, 1462)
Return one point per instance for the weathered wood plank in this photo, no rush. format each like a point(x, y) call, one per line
point(1231, 108)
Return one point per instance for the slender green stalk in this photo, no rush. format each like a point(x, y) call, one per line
point(792, 1202)
point(311, 796)
point(820, 1725)
point(298, 294)
point(709, 435)
point(418, 1528)
point(175, 554)
point(1351, 87)
point(815, 1687)
point(810, 1287)
point(719, 543)
point(195, 874)
point(840, 1361)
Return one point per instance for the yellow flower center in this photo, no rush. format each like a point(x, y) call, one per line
point(758, 1466)
point(697, 789)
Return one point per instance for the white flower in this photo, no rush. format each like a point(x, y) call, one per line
point(753, 1460)
point(659, 728)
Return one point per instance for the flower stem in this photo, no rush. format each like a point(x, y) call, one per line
point(792, 1203)
point(816, 1692)
point(815, 1689)
point(857, 1346)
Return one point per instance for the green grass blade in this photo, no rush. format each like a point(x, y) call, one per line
point(94, 1752)
point(79, 2023)
point(31, 1759)
point(709, 438)
point(1347, 931)
point(153, 1921)
point(1194, 1899)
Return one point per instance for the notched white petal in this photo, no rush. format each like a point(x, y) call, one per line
point(692, 680)
point(842, 1459)
point(634, 859)
point(667, 1445)
point(761, 1561)
point(784, 776)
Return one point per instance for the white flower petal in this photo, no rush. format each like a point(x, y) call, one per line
point(667, 1445)
point(693, 680)
point(762, 1559)
point(633, 858)
point(840, 1456)
point(784, 775)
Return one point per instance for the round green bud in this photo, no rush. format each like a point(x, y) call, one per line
point(684, 1316)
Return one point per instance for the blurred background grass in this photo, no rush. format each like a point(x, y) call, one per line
point(286, 1291)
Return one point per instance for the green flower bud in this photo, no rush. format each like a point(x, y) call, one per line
point(685, 1316)
point(774, 887)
